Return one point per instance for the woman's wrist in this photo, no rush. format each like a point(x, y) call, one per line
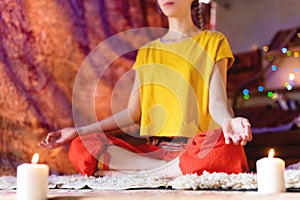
point(84, 130)
point(227, 120)
point(81, 130)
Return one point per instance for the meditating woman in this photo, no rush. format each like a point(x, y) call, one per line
point(179, 101)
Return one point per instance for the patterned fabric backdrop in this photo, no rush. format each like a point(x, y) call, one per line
point(42, 46)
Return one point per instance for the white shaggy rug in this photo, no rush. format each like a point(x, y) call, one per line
point(242, 181)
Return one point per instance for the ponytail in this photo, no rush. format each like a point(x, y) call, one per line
point(197, 14)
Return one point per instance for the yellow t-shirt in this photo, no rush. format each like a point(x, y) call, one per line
point(174, 84)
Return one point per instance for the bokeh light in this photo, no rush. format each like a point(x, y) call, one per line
point(270, 94)
point(246, 92)
point(246, 96)
point(289, 87)
point(270, 58)
point(291, 76)
point(284, 50)
point(274, 67)
point(265, 48)
point(286, 84)
point(260, 88)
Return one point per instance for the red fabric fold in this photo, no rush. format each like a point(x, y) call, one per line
point(206, 151)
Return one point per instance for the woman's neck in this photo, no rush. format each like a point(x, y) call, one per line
point(179, 30)
point(183, 26)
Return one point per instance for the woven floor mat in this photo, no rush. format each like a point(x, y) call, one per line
point(208, 181)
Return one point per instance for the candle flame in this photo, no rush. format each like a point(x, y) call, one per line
point(35, 158)
point(271, 153)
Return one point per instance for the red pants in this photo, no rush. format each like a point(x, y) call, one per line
point(206, 151)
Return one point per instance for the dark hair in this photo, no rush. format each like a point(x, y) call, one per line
point(197, 14)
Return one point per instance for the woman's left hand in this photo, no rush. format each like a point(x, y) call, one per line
point(237, 130)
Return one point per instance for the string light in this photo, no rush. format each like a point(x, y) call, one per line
point(289, 85)
point(286, 84)
point(265, 48)
point(245, 91)
point(260, 88)
point(291, 76)
point(291, 82)
point(284, 50)
point(270, 58)
point(246, 96)
point(274, 67)
point(270, 94)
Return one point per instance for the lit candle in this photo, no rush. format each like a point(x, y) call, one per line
point(32, 180)
point(270, 174)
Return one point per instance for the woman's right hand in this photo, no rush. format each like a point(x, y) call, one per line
point(59, 138)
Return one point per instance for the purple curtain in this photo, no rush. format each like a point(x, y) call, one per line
point(42, 45)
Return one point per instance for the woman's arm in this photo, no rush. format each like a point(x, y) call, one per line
point(218, 104)
point(236, 130)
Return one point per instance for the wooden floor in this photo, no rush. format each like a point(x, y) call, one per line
point(161, 194)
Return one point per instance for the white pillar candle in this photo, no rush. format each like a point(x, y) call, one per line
point(32, 180)
point(270, 174)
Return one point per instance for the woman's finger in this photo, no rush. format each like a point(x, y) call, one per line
point(248, 133)
point(243, 142)
point(47, 145)
point(227, 140)
point(52, 136)
point(235, 141)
